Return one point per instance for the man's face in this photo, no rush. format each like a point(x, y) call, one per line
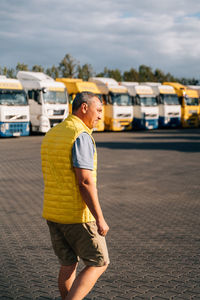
point(93, 113)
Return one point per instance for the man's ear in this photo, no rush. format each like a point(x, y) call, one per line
point(84, 107)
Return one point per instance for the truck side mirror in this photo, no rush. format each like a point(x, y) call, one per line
point(182, 101)
point(37, 97)
point(137, 100)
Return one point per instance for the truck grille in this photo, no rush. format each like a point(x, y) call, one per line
point(16, 127)
point(124, 115)
point(150, 115)
point(173, 114)
point(58, 112)
point(20, 117)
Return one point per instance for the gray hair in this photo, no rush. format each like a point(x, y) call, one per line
point(83, 97)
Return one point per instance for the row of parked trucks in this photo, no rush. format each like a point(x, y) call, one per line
point(36, 102)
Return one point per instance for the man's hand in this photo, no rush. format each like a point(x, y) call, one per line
point(102, 227)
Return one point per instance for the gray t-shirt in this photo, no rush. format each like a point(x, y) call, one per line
point(83, 152)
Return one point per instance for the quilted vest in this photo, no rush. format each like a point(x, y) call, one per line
point(63, 202)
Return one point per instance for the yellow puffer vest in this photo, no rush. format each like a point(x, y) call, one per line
point(63, 202)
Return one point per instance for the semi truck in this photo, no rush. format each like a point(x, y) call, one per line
point(14, 110)
point(168, 105)
point(47, 100)
point(189, 100)
point(118, 111)
point(145, 107)
point(76, 85)
point(196, 88)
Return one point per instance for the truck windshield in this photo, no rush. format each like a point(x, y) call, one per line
point(170, 99)
point(120, 99)
point(54, 97)
point(13, 97)
point(191, 101)
point(148, 101)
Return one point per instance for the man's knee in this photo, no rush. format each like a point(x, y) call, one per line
point(103, 268)
point(68, 270)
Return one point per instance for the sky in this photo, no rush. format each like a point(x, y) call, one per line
point(117, 34)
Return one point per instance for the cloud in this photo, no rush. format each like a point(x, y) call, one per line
point(112, 33)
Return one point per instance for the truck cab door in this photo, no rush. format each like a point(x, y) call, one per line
point(34, 98)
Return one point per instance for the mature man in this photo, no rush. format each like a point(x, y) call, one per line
point(71, 206)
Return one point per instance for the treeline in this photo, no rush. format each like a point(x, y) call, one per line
point(71, 68)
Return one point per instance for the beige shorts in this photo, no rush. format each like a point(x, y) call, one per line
point(72, 242)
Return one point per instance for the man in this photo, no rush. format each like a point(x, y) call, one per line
point(71, 206)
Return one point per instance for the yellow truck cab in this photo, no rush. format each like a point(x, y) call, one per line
point(76, 85)
point(189, 100)
point(117, 104)
point(196, 88)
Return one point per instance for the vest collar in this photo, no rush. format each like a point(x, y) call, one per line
point(73, 117)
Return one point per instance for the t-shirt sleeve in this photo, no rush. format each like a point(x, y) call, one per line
point(83, 152)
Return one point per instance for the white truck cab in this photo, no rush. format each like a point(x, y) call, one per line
point(47, 99)
point(169, 106)
point(145, 106)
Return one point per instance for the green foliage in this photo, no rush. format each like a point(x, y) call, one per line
point(21, 67)
point(85, 72)
point(37, 68)
point(9, 73)
point(146, 74)
point(115, 74)
point(68, 67)
point(186, 81)
point(53, 72)
point(3, 71)
point(159, 76)
point(131, 75)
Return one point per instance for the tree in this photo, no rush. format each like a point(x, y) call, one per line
point(53, 72)
point(85, 72)
point(104, 73)
point(4, 71)
point(68, 66)
point(21, 67)
point(115, 74)
point(145, 74)
point(159, 76)
point(170, 78)
point(1, 71)
point(192, 81)
point(37, 68)
point(11, 73)
point(131, 75)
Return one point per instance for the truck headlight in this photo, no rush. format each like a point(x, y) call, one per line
point(50, 112)
point(116, 123)
point(4, 127)
point(44, 122)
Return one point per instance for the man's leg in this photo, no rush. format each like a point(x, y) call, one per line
point(66, 278)
point(84, 282)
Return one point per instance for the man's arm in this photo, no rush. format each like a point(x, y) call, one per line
point(89, 194)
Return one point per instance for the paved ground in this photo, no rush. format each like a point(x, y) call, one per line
point(150, 193)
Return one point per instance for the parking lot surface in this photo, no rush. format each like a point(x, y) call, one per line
point(149, 188)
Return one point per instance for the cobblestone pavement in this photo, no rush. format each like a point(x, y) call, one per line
point(150, 193)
